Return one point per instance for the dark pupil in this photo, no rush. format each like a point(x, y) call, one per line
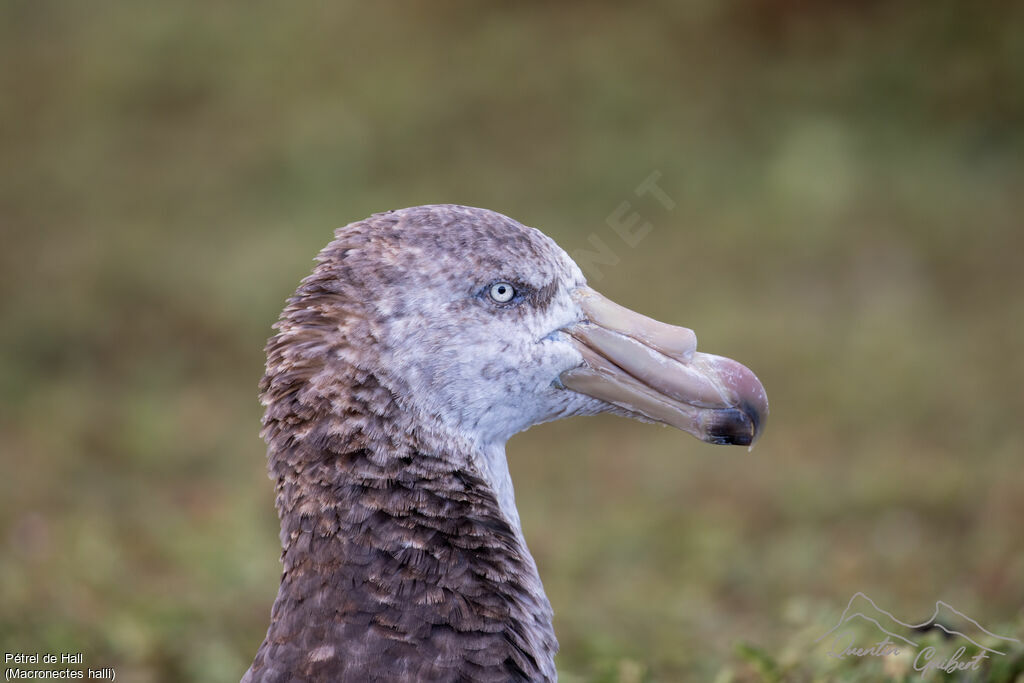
point(501, 290)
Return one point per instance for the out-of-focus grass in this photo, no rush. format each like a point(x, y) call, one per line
point(847, 185)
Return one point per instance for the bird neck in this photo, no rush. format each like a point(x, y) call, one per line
point(398, 542)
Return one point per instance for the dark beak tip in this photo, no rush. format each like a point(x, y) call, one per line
point(735, 426)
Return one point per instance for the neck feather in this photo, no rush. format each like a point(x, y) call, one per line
point(403, 556)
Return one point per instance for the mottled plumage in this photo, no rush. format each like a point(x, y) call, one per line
point(391, 386)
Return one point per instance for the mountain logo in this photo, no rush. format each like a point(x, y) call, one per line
point(900, 635)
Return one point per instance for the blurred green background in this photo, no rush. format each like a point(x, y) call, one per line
point(848, 180)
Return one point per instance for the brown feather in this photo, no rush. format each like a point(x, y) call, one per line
point(398, 561)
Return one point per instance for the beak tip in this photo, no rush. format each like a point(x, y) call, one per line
point(730, 427)
point(735, 426)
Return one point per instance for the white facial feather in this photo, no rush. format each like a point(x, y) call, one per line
point(483, 371)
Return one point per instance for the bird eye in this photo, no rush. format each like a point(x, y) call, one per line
point(502, 292)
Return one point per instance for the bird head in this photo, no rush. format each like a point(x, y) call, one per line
point(479, 324)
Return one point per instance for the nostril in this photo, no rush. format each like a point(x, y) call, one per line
point(676, 342)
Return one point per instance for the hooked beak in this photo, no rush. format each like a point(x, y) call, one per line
point(652, 370)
